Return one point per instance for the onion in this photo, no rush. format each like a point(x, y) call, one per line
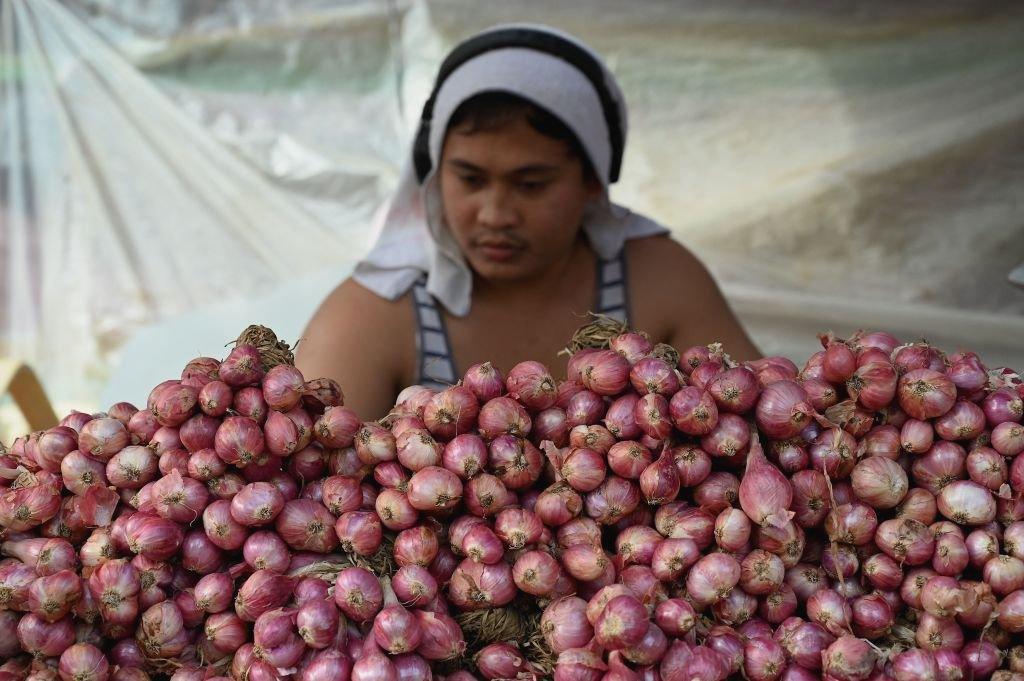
point(951, 555)
point(564, 624)
point(692, 463)
point(52, 597)
point(1011, 612)
point(967, 503)
point(153, 536)
point(397, 630)
point(783, 410)
point(584, 408)
point(987, 468)
point(849, 659)
point(375, 444)
point(872, 615)
point(442, 638)
point(693, 411)
point(516, 461)
point(615, 498)
point(763, 660)
point(838, 361)
point(732, 529)
point(905, 540)
point(854, 523)
point(761, 572)
point(622, 624)
point(651, 413)
point(485, 494)
point(102, 438)
point(434, 488)
point(604, 372)
point(132, 467)
point(242, 367)
point(964, 421)
point(659, 481)
point(632, 345)
point(476, 586)
point(485, 381)
point(879, 482)
point(584, 469)
point(943, 464)
point(629, 459)
point(503, 415)
point(501, 661)
point(451, 412)
point(934, 633)
point(915, 665)
point(925, 393)
point(735, 390)
point(221, 527)
point(730, 437)
point(712, 577)
point(249, 402)
point(373, 665)
point(620, 419)
point(1004, 574)
point(532, 385)
point(873, 384)
point(239, 440)
point(1008, 439)
point(765, 494)
point(919, 504)
point(414, 585)
point(306, 525)
point(213, 592)
point(1003, 405)
point(579, 664)
point(654, 375)
point(718, 491)
point(358, 594)
point(551, 424)
point(45, 639)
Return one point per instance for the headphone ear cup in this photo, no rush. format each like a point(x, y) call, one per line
point(421, 151)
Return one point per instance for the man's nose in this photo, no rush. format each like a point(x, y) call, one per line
point(497, 209)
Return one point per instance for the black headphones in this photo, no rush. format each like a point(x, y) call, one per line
point(541, 41)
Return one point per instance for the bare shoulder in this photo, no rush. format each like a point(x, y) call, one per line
point(363, 341)
point(675, 298)
point(664, 253)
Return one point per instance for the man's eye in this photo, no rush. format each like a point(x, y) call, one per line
point(471, 180)
point(533, 186)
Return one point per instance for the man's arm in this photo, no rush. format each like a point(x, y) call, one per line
point(362, 341)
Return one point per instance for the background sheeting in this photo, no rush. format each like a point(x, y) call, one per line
point(171, 171)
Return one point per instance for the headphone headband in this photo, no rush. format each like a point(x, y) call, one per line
point(541, 41)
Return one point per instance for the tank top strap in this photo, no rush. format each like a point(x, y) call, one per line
point(435, 366)
point(613, 287)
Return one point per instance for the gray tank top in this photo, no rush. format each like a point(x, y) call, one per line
point(435, 365)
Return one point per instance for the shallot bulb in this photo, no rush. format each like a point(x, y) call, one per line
point(783, 410)
point(765, 494)
point(879, 482)
point(926, 394)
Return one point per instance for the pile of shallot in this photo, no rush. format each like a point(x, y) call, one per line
point(651, 516)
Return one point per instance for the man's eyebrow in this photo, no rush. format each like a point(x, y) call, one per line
point(531, 169)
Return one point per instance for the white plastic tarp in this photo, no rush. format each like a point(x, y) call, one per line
point(837, 164)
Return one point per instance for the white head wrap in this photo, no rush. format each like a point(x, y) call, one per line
point(412, 238)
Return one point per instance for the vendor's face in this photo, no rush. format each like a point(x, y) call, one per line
point(513, 198)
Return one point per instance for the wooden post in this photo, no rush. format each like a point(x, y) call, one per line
point(18, 380)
